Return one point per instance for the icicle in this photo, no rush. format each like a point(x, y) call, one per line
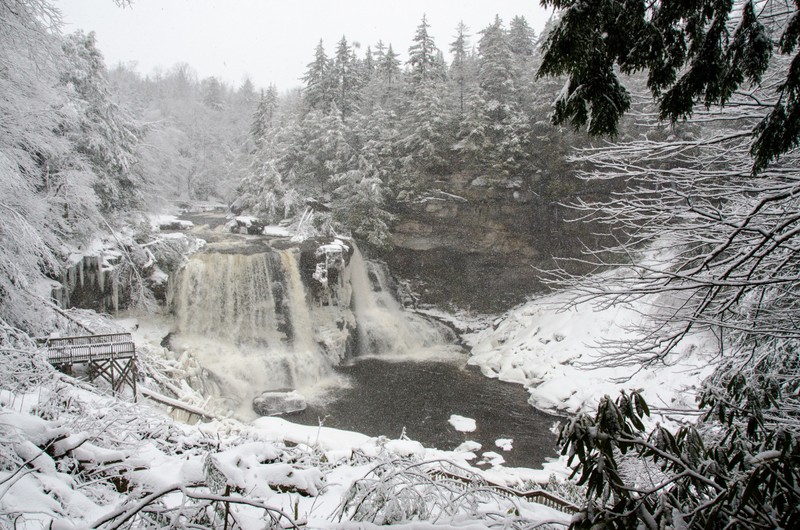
point(115, 296)
point(101, 278)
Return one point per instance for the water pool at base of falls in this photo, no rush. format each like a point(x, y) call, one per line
point(418, 398)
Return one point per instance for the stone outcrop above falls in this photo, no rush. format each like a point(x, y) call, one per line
point(474, 242)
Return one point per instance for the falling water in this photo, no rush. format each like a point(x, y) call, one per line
point(308, 364)
point(248, 320)
point(248, 330)
point(385, 328)
point(228, 297)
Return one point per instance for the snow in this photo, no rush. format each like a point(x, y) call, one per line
point(171, 222)
point(506, 444)
point(462, 424)
point(535, 344)
point(246, 220)
point(291, 467)
point(492, 458)
point(276, 231)
point(545, 348)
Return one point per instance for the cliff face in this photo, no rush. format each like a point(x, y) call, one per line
point(474, 242)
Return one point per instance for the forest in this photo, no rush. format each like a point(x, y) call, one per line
point(666, 131)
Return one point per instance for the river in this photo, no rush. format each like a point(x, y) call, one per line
point(418, 397)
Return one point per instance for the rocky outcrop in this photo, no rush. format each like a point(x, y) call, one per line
point(474, 242)
point(279, 402)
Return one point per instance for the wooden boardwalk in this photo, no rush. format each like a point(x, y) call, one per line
point(111, 357)
point(538, 496)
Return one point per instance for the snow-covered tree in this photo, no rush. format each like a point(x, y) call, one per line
point(319, 92)
point(344, 78)
point(423, 56)
point(459, 67)
point(496, 68)
point(213, 92)
point(264, 117)
point(106, 135)
point(521, 37)
point(388, 77)
point(712, 246)
point(428, 136)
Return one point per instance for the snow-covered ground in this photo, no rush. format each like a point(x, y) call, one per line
point(75, 458)
point(546, 348)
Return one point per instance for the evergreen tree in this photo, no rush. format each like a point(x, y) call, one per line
point(359, 203)
point(344, 78)
point(107, 136)
point(387, 79)
point(380, 51)
point(427, 127)
point(422, 56)
point(459, 65)
point(521, 37)
point(246, 95)
point(213, 93)
point(264, 116)
point(368, 65)
point(318, 93)
point(496, 67)
point(261, 192)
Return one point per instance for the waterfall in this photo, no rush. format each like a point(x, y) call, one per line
point(245, 319)
point(309, 365)
point(384, 326)
point(257, 322)
point(228, 297)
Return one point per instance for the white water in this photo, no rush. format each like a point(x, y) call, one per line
point(308, 364)
point(248, 321)
point(228, 297)
point(227, 319)
point(385, 328)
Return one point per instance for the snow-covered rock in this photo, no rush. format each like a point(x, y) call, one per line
point(279, 402)
point(462, 424)
point(553, 352)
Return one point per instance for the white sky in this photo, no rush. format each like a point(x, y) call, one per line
point(271, 41)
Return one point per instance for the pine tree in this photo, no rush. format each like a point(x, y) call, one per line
point(427, 127)
point(496, 67)
point(387, 80)
point(344, 78)
point(264, 116)
point(368, 66)
point(213, 93)
point(459, 65)
point(107, 136)
point(422, 56)
point(521, 37)
point(318, 92)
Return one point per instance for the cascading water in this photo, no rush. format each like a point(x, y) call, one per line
point(251, 323)
point(308, 365)
point(245, 319)
point(384, 327)
point(228, 297)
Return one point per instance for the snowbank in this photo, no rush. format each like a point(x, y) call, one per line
point(542, 347)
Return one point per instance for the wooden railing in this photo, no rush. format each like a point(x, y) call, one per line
point(86, 348)
point(538, 495)
point(111, 357)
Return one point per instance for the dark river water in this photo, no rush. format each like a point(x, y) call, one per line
point(386, 397)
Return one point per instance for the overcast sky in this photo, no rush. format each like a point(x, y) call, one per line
point(271, 41)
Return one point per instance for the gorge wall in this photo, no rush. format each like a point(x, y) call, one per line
point(474, 242)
